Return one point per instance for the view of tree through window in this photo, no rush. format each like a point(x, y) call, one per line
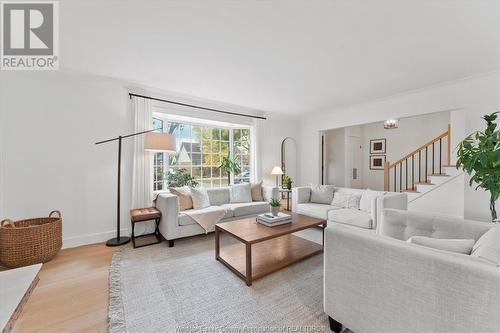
point(199, 151)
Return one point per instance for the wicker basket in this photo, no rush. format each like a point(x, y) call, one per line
point(31, 241)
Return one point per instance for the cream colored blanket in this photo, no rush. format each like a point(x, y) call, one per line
point(207, 217)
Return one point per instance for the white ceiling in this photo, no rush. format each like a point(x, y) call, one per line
point(292, 57)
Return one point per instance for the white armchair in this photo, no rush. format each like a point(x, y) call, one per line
point(380, 283)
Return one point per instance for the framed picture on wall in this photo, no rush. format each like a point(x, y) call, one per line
point(377, 146)
point(377, 162)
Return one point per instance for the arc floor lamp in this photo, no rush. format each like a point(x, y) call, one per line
point(155, 142)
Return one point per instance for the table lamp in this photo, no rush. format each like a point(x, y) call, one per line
point(277, 172)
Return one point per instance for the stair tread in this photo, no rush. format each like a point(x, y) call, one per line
point(411, 191)
point(424, 183)
point(449, 165)
point(439, 175)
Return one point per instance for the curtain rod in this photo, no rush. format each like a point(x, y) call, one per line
point(196, 107)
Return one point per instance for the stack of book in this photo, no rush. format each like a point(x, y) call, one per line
point(271, 220)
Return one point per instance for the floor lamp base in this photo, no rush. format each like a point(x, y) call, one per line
point(118, 241)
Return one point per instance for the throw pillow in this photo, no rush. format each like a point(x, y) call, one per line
point(463, 246)
point(487, 246)
point(200, 198)
point(184, 196)
point(365, 203)
point(322, 194)
point(241, 193)
point(256, 189)
point(346, 200)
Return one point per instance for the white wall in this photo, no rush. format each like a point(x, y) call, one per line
point(50, 122)
point(475, 96)
point(335, 157)
point(271, 133)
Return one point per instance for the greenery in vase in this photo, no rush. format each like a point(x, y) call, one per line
point(287, 181)
point(229, 165)
point(479, 156)
point(180, 178)
point(274, 202)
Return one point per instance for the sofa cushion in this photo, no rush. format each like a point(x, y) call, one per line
point(247, 208)
point(184, 196)
point(183, 219)
point(463, 246)
point(200, 198)
point(314, 209)
point(487, 246)
point(352, 217)
point(322, 194)
point(365, 203)
point(346, 200)
point(218, 196)
point(240, 193)
point(256, 191)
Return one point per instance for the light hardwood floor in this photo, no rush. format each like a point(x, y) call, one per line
point(72, 294)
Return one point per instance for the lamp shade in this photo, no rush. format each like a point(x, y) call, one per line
point(277, 171)
point(162, 142)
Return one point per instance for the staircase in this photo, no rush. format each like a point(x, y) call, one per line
point(422, 170)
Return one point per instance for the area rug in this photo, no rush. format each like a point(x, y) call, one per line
point(184, 289)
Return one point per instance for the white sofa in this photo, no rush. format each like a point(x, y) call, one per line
point(380, 283)
point(175, 224)
point(301, 203)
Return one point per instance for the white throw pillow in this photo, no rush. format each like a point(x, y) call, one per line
point(200, 198)
point(463, 246)
point(365, 203)
point(256, 189)
point(346, 200)
point(241, 193)
point(487, 246)
point(322, 194)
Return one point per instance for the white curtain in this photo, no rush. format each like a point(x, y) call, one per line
point(142, 191)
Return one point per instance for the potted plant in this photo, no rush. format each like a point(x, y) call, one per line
point(275, 206)
point(479, 155)
point(229, 165)
point(287, 181)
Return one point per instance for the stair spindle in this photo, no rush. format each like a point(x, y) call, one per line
point(433, 153)
point(401, 177)
point(413, 172)
point(406, 174)
point(395, 182)
point(419, 165)
point(426, 164)
point(440, 155)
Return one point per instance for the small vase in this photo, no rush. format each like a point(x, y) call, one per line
point(275, 211)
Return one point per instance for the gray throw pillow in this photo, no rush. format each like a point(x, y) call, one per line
point(463, 246)
point(487, 246)
point(322, 194)
point(241, 193)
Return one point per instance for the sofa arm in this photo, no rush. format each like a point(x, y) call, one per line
point(389, 200)
point(168, 204)
point(270, 192)
point(380, 284)
point(300, 195)
point(402, 224)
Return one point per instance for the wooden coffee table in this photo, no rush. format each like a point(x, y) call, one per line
point(263, 250)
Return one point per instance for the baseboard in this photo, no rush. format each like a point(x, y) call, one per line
point(91, 238)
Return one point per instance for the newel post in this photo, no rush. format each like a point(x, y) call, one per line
point(386, 176)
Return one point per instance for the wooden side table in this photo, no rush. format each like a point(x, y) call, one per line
point(288, 193)
point(143, 215)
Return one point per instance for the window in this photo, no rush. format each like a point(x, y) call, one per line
point(200, 149)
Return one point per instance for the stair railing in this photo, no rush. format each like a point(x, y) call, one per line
point(398, 177)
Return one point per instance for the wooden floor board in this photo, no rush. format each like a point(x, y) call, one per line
point(72, 294)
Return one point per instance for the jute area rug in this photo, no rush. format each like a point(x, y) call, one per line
point(184, 289)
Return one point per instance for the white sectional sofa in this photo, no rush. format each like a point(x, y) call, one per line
point(382, 283)
point(176, 224)
point(366, 219)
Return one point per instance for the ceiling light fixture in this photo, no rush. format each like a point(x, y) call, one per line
point(391, 124)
